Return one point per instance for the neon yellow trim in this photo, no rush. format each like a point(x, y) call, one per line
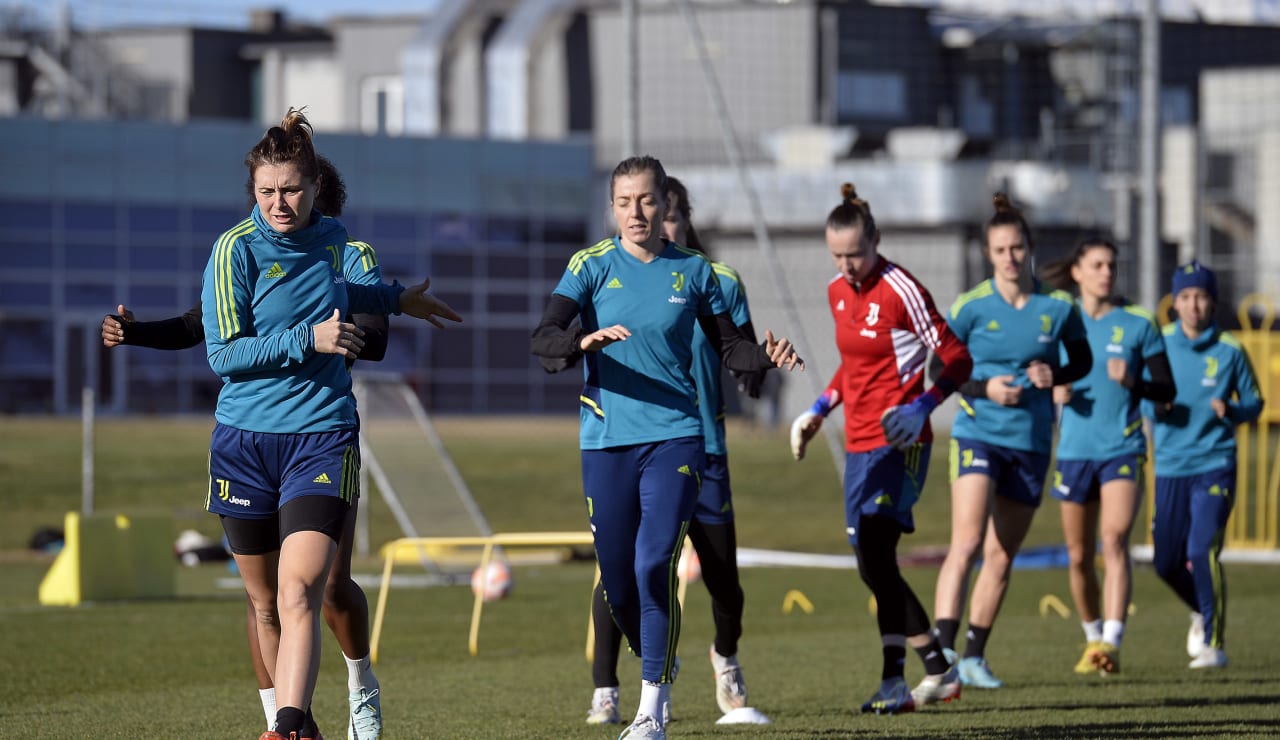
point(368, 258)
point(1135, 426)
point(1141, 313)
point(954, 459)
point(693, 253)
point(965, 405)
point(724, 270)
point(1169, 329)
point(224, 292)
point(1230, 340)
point(592, 405)
point(982, 290)
point(1219, 593)
point(673, 604)
point(604, 246)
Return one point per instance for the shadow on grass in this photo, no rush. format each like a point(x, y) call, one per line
point(1135, 729)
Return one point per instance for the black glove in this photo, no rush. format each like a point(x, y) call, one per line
point(559, 364)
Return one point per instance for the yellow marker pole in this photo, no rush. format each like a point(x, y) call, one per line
point(473, 641)
point(389, 560)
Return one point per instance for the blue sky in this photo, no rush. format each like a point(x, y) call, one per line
point(207, 13)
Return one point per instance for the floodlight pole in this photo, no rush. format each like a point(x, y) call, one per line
point(1149, 215)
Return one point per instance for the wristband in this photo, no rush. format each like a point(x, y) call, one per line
point(822, 406)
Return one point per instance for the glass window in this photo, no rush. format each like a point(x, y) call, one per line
point(155, 259)
point(509, 265)
point(16, 214)
point(27, 254)
point(90, 295)
point(164, 297)
point(864, 94)
point(508, 303)
point(89, 217)
point(391, 226)
point(455, 229)
point(25, 295)
point(214, 221)
point(90, 257)
point(509, 348)
point(154, 220)
point(452, 264)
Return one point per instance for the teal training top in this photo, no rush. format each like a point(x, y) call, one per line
point(642, 389)
point(263, 293)
point(1104, 419)
point(1004, 340)
point(1190, 438)
point(706, 361)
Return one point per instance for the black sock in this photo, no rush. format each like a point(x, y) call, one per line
point(289, 719)
point(309, 728)
point(895, 656)
point(946, 630)
point(935, 662)
point(976, 641)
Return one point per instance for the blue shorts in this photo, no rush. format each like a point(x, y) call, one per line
point(715, 500)
point(253, 474)
point(1081, 481)
point(884, 482)
point(1018, 474)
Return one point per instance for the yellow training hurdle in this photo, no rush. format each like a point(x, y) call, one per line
point(488, 542)
point(1255, 519)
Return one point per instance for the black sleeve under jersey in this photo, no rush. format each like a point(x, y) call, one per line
point(1079, 362)
point(179, 332)
point(1160, 388)
point(375, 327)
point(750, 382)
point(737, 352)
point(553, 338)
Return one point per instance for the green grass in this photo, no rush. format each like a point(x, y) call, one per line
point(179, 668)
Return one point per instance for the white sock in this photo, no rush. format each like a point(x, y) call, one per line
point(721, 663)
point(1113, 632)
point(360, 674)
point(650, 701)
point(268, 697)
point(1092, 630)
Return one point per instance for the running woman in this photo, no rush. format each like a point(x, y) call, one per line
point(711, 530)
point(1015, 329)
point(1101, 444)
point(1195, 449)
point(284, 456)
point(345, 609)
point(886, 324)
point(640, 297)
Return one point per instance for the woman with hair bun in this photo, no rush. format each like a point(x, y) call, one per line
point(886, 324)
point(1015, 329)
point(284, 458)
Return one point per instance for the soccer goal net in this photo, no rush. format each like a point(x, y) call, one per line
point(413, 473)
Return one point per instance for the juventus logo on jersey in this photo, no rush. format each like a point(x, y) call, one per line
point(873, 315)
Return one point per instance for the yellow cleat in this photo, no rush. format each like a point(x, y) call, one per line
point(1087, 665)
point(1106, 658)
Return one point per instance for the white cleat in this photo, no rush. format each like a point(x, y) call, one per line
point(1195, 635)
point(644, 728)
point(944, 687)
point(1209, 658)
point(731, 687)
point(604, 707)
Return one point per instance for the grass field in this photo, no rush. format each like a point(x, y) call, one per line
point(178, 668)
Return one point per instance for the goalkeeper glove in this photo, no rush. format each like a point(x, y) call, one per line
point(902, 424)
point(807, 424)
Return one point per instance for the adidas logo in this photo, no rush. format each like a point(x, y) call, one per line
point(614, 283)
point(993, 325)
point(322, 478)
point(840, 305)
point(276, 272)
point(684, 469)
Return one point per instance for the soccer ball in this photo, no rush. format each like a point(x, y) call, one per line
point(492, 582)
point(690, 567)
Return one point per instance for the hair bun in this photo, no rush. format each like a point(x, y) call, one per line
point(848, 193)
point(1002, 203)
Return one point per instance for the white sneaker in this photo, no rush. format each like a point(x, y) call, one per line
point(943, 687)
point(665, 701)
point(1195, 635)
point(644, 728)
point(1209, 658)
point(731, 687)
point(366, 714)
point(604, 707)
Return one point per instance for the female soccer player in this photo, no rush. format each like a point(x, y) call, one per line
point(711, 530)
point(1195, 449)
point(345, 609)
point(1101, 445)
point(640, 297)
point(284, 455)
point(886, 324)
point(1014, 329)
